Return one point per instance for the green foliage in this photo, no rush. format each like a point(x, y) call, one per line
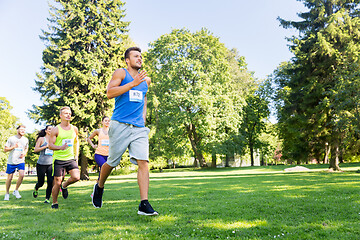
point(7, 128)
point(254, 116)
point(84, 45)
point(31, 156)
point(314, 90)
point(195, 96)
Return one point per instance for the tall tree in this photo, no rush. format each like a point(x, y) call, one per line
point(328, 40)
point(84, 45)
point(255, 115)
point(192, 91)
point(7, 128)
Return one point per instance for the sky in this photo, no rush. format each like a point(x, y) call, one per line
point(249, 26)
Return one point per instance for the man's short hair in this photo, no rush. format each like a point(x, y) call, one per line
point(21, 125)
point(63, 108)
point(127, 52)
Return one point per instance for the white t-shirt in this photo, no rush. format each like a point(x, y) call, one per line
point(14, 156)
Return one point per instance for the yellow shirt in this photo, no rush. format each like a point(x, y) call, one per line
point(65, 136)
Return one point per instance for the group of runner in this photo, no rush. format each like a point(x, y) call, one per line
point(59, 146)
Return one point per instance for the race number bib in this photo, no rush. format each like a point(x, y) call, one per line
point(105, 142)
point(49, 152)
point(135, 96)
point(18, 150)
point(69, 142)
point(17, 153)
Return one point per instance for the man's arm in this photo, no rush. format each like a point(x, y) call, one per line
point(76, 144)
point(8, 149)
point(53, 134)
point(148, 81)
point(114, 89)
point(24, 152)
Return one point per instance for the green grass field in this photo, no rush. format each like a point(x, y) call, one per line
point(228, 203)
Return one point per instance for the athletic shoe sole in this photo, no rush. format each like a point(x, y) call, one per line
point(92, 197)
point(148, 214)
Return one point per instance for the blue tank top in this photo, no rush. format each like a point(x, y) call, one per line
point(129, 106)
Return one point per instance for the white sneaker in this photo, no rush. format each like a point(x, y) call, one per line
point(16, 194)
point(7, 197)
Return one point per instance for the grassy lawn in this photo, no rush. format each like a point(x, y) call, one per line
point(228, 203)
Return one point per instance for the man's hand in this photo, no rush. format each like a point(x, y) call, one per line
point(139, 78)
point(63, 147)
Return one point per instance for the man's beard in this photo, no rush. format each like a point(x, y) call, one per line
point(137, 68)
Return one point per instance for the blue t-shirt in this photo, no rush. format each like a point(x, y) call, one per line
point(129, 106)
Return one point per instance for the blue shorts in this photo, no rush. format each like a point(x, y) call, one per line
point(100, 159)
point(10, 168)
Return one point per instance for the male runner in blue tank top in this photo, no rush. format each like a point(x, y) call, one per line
point(127, 127)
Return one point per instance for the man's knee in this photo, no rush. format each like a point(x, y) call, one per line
point(75, 174)
point(58, 180)
point(10, 177)
point(21, 173)
point(143, 165)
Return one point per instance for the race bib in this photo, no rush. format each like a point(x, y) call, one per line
point(69, 142)
point(19, 149)
point(49, 152)
point(105, 142)
point(135, 96)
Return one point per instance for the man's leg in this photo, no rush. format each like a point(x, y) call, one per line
point(56, 188)
point(8, 182)
point(74, 177)
point(145, 207)
point(143, 179)
point(20, 179)
point(99, 186)
point(104, 174)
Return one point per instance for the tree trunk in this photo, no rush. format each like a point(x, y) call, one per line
point(213, 159)
point(341, 157)
point(195, 144)
point(334, 160)
point(251, 154)
point(262, 160)
point(84, 175)
point(196, 162)
point(317, 157)
point(327, 153)
point(227, 160)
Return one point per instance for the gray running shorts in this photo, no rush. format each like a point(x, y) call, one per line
point(123, 136)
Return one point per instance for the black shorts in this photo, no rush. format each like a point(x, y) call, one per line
point(61, 166)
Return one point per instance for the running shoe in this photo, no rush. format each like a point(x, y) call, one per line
point(97, 196)
point(35, 193)
point(146, 209)
point(55, 206)
point(64, 192)
point(7, 197)
point(16, 194)
point(47, 200)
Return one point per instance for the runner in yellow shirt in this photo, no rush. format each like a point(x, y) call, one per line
point(64, 142)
